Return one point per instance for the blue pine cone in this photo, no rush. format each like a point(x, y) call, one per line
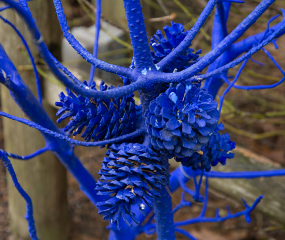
point(181, 120)
point(163, 46)
point(216, 151)
point(102, 118)
point(131, 174)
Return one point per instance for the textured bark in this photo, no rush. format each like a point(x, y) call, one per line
point(43, 178)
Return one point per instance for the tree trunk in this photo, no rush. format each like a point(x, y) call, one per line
point(43, 178)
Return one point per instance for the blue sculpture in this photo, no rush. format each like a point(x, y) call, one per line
point(178, 116)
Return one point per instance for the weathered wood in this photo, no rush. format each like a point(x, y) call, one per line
point(113, 11)
point(273, 188)
point(43, 178)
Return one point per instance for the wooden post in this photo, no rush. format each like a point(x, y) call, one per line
point(43, 178)
point(114, 12)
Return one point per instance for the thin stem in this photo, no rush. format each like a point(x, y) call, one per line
point(199, 219)
point(38, 84)
point(34, 111)
point(70, 140)
point(116, 39)
point(273, 60)
point(214, 83)
point(197, 197)
point(238, 60)
point(27, 157)
point(96, 40)
point(247, 43)
point(190, 36)
point(258, 87)
point(82, 90)
point(232, 84)
point(221, 47)
point(79, 48)
point(29, 205)
point(65, 70)
point(249, 175)
point(231, 175)
point(185, 10)
point(202, 214)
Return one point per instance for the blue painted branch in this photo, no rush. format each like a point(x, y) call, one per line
point(231, 85)
point(29, 205)
point(7, 7)
point(185, 233)
point(203, 211)
point(36, 113)
point(46, 54)
point(245, 213)
point(80, 49)
point(214, 83)
point(242, 58)
point(138, 35)
point(247, 43)
point(190, 36)
point(46, 131)
point(38, 84)
point(219, 31)
point(96, 40)
point(27, 157)
point(215, 53)
point(65, 70)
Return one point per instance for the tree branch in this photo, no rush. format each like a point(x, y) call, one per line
point(190, 36)
point(138, 35)
point(221, 47)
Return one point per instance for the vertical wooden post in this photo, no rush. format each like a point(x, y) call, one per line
point(43, 178)
point(113, 11)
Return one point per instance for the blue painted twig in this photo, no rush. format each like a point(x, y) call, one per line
point(32, 108)
point(190, 36)
point(49, 132)
point(27, 157)
point(29, 205)
point(38, 84)
point(96, 40)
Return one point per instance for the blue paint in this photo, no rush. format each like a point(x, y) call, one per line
point(38, 84)
point(177, 117)
point(96, 40)
point(27, 157)
point(29, 205)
